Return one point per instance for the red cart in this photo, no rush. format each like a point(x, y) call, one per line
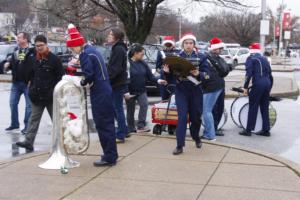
point(164, 114)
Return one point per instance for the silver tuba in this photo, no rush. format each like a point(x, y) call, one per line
point(69, 136)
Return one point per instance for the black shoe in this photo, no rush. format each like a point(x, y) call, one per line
point(26, 145)
point(128, 135)
point(103, 163)
point(24, 131)
point(263, 133)
point(11, 128)
point(245, 133)
point(178, 150)
point(219, 133)
point(198, 144)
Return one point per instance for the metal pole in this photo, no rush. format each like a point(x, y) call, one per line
point(180, 23)
point(264, 17)
point(281, 28)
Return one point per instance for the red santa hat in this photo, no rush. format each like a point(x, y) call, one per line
point(169, 40)
point(188, 36)
point(75, 38)
point(216, 43)
point(255, 48)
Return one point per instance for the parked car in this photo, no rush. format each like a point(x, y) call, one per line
point(240, 55)
point(227, 56)
point(232, 45)
point(6, 50)
point(61, 51)
point(202, 46)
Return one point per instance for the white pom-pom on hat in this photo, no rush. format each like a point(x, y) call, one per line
point(71, 26)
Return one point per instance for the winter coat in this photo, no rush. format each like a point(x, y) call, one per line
point(117, 65)
point(44, 76)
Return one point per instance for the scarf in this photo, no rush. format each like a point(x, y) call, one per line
point(41, 56)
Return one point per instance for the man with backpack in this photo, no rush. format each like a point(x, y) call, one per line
point(214, 87)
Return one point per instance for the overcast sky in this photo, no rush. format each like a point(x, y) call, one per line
point(194, 11)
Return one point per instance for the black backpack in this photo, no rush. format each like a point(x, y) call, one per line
point(220, 65)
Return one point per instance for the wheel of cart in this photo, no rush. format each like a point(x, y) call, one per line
point(164, 114)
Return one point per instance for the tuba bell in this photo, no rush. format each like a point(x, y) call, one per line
point(69, 134)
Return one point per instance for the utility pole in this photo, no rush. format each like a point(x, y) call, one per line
point(180, 23)
point(264, 18)
point(281, 28)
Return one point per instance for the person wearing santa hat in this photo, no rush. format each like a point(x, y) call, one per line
point(169, 50)
point(188, 93)
point(258, 70)
point(96, 76)
point(214, 90)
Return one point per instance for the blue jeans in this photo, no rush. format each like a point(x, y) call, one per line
point(209, 101)
point(17, 89)
point(118, 95)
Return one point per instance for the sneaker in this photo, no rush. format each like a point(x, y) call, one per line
point(9, 129)
point(120, 141)
point(143, 130)
point(208, 139)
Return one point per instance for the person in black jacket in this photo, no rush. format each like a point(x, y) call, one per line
point(117, 70)
point(213, 87)
point(20, 64)
point(139, 73)
point(46, 72)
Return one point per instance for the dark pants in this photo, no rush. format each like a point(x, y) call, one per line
point(142, 100)
point(189, 103)
point(102, 110)
point(35, 119)
point(17, 89)
point(118, 96)
point(259, 97)
point(219, 109)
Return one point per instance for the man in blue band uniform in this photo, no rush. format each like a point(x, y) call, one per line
point(169, 49)
point(95, 74)
point(188, 93)
point(258, 70)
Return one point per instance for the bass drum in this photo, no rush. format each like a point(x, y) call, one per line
point(222, 121)
point(236, 107)
point(243, 117)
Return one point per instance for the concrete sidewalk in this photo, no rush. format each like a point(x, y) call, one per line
point(147, 170)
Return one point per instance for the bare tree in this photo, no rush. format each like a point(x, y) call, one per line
point(242, 28)
point(137, 15)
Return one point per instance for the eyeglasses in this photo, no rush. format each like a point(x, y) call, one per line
point(40, 45)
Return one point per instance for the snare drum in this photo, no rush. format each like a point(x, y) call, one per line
point(243, 117)
point(222, 121)
point(235, 108)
